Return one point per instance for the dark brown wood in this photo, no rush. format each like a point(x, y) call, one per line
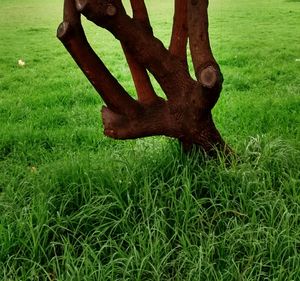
point(186, 114)
point(140, 13)
point(179, 36)
point(202, 56)
point(71, 33)
point(144, 88)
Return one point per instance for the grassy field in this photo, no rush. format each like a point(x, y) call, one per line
point(75, 205)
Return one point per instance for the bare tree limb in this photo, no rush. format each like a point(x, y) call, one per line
point(71, 33)
point(144, 88)
point(186, 115)
point(149, 51)
point(140, 13)
point(153, 121)
point(179, 36)
point(206, 68)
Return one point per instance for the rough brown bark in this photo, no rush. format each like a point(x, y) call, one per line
point(179, 36)
point(144, 88)
point(186, 114)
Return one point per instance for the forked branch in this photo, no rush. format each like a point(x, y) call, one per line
point(146, 49)
point(71, 33)
point(186, 114)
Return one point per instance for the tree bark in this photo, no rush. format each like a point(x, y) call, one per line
point(186, 114)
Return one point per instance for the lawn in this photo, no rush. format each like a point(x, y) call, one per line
point(75, 205)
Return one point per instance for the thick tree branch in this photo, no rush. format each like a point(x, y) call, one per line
point(144, 88)
point(186, 115)
point(206, 68)
point(168, 70)
point(153, 121)
point(179, 36)
point(71, 33)
point(139, 12)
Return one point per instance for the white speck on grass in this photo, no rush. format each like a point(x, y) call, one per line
point(21, 62)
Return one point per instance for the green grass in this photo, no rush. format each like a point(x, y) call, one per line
point(75, 205)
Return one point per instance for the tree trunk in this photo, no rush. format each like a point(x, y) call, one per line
point(186, 114)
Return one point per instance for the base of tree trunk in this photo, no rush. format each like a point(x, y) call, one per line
point(186, 114)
